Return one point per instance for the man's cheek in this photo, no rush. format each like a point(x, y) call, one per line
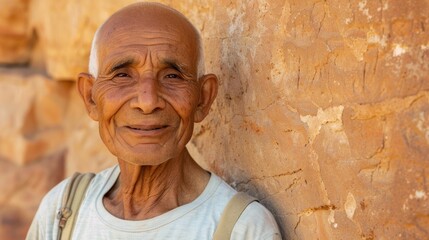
point(108, 102)
point(107, 137)
point(183, 104)
point(105, 89)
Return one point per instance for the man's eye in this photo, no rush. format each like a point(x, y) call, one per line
point(172, 76)
point(122, 75)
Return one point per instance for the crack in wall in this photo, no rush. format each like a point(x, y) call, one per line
point(267, 177)
point(295, 181)
point(309, 211)
point(390, 106)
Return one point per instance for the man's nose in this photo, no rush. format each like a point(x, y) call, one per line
point(147, 96)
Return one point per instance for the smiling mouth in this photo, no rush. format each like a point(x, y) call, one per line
point(147, 128)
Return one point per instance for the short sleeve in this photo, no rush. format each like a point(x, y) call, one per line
point(256, 222)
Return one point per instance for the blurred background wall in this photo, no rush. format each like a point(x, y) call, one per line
point(322, 113)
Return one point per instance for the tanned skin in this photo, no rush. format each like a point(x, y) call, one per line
point(147, 97)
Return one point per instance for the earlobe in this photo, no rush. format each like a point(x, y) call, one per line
point(85, 82)
point(209, 88)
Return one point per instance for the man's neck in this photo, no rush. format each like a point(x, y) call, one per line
point(143, 192)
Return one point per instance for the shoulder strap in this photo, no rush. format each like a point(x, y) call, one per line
point(73, 195)
point(230, 215)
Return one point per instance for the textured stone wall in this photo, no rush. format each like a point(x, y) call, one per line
point(322, 113)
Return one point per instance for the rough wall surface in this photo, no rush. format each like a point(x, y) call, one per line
point(322, 113)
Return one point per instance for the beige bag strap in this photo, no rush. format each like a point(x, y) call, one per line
point(230, 215)
point(72, 199)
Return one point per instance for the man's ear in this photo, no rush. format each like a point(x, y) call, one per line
point(85, 82)
point(208, 92)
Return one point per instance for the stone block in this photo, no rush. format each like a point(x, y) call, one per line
point(15, 37)
point(33, 108)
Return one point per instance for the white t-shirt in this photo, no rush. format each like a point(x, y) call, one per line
point(195, 220)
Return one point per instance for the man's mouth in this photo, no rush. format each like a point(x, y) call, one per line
point(147, 127)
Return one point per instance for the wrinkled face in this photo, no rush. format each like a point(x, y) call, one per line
point(147, 90)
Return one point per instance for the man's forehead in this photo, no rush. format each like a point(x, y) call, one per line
point(158, 45)
point(161, 55)
point(136, 36)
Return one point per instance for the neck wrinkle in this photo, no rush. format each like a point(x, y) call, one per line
point(143, 192)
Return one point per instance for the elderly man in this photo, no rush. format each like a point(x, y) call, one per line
point(147, 88)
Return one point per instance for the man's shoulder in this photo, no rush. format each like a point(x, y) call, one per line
point(222, 187)
point(256, 214)
point(53, 197)
point(256, 220)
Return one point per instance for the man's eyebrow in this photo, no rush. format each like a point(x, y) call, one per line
point(173, 64)
point(121, 64)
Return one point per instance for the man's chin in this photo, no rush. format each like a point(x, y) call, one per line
point(146, 154)
point(144, 158)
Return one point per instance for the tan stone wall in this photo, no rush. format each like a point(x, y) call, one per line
point(322, 113)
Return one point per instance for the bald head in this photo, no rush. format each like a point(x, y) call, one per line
point(153, 17)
